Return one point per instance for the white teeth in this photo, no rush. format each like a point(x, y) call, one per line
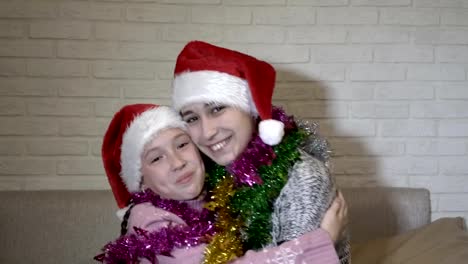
point(218, 146)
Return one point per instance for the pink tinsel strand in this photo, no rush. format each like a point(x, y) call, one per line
point(132, 248)
point(245, 168)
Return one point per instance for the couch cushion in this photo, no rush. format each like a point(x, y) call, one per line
point(444, 241)
point(55, 226)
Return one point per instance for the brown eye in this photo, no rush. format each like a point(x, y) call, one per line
point(182, 145)
point(217, 108)
point(191, 119)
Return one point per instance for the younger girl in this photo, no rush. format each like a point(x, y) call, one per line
point(157, 175)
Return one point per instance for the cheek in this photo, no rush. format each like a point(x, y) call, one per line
point(245, 135)
point(243, 140)
point(192, 154)
point(194, 132)
point(151, 176)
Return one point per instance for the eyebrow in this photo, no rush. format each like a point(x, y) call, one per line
point(179, 135)
point(149, 151)
point(185, 113)
point(205, 105)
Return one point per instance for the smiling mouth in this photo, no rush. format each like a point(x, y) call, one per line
point(185, 178)
point(220, 145)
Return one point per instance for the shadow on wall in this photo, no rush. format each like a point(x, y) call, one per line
point(353, 164)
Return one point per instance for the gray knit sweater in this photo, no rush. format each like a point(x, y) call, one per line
point(303, 201)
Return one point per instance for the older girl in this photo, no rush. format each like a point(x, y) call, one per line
point(283, 187)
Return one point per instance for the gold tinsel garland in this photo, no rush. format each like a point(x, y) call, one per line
point(226, 244)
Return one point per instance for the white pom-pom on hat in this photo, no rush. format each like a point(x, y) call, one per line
point(271, 131)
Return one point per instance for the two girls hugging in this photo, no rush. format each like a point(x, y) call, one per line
point(259, 192)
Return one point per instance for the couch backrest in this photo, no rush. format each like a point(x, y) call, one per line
point(55, 226)
point(384, 211)
point(71, 226)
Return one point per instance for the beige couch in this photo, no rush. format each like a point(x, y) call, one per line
point(71, 226)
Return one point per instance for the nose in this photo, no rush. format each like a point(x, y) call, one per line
point(209, 128)
point(177, 161)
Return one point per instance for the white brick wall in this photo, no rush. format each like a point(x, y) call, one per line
point(386, 80)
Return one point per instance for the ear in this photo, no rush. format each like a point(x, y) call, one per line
point(255, 121)
point(142, 183)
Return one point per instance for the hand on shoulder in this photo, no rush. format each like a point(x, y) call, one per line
point(335, 219)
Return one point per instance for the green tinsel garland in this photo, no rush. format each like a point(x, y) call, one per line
point(254, 205)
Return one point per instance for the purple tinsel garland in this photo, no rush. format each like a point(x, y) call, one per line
point(245, 168)
point(144, 244)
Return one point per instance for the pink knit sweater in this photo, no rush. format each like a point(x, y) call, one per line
point(314, 247)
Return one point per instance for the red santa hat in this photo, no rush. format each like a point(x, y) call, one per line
point(129, 131)
point(205, 73)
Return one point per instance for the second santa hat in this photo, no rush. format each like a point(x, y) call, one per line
point(129, 131)
point(205, 73)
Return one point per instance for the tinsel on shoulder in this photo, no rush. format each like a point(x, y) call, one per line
point(314, 144)
point(131, 248)
point(259, 174)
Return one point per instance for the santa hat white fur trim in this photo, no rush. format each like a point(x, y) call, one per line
point(212, 87)
point(121, 212)
point(140, 132)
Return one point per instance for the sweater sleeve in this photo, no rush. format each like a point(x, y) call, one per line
point(314, 247)
point(151, 218)
point(304, 199)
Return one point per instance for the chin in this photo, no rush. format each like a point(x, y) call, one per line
point(224, 160)
point(194, 193)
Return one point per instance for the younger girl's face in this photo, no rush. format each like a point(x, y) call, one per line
point(172, 166)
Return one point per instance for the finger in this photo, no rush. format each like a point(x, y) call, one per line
point(345, 218)
point(345, 214)
point(338, 197)
point(344, 207)
point(343, 210)
point(340, 194)
point(335, 207)
point(342, 200)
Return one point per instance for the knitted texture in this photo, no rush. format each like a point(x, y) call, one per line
point(303, 201)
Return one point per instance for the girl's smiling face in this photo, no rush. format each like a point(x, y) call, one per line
point(172, 166)
point(221, 132)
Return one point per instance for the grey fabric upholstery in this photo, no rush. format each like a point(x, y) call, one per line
point(381, 212)
point(55, 226)
point(71, 226)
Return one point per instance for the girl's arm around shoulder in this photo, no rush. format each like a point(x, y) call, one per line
point(315, 247)
point(150, 218)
